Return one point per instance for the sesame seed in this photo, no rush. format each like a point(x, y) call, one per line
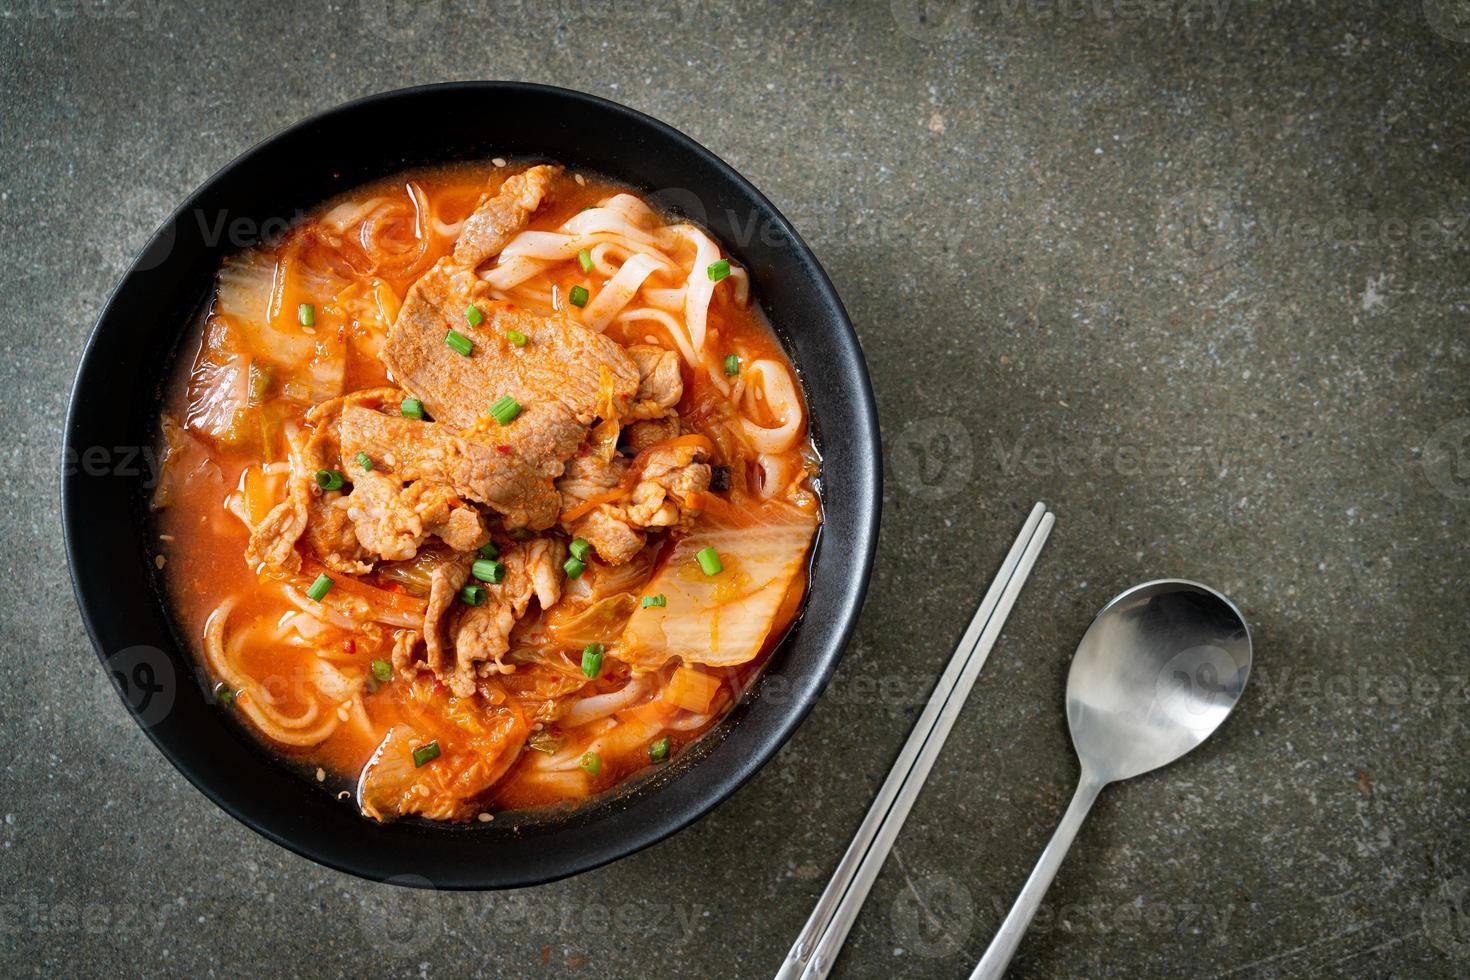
point(499, 161)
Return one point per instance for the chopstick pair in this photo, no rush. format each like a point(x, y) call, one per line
point(816, 948)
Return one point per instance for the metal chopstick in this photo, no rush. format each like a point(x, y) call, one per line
point(830, 921)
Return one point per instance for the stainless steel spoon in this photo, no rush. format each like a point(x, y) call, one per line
point(1159, 669)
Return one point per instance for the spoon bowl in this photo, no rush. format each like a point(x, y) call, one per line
point(1159, 669)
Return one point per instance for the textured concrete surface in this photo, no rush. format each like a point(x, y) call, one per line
point(1194, 272)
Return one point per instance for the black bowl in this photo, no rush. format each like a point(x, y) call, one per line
point(110, 435)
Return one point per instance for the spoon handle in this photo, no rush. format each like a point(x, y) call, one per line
point(993, 964)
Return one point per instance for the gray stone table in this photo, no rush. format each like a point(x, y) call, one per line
point(1193, 271)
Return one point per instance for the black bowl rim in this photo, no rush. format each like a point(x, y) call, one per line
point(867, 504)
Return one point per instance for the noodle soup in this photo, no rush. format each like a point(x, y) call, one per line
point(484, 489)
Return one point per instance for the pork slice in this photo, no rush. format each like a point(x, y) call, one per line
point(659, 498)
point(610, 533)
point(273, 541)
point(382, 517)
point(482, 633)
point(660, 383)
point(562, 362)
point(457, 526)
point(605, 526)
point(642, 435)
point(510, 469)
point(669, 477)
point(306, 509)
point(331, 536)
point(544, 559)
point(499, 218)
point(445, 581)
point(406, 644)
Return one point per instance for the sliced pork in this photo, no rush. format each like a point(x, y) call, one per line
point(613, 503)
point(482, 633)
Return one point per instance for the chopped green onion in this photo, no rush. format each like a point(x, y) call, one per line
point(516, 337)
point(591, 763)
point(425, 754)
point(382, 670)
point(732, 365)
point(659, 751)
point(578, 296)
point(412, 408)
point(579, 548)
point(592, 659)
point(473, 315)
point(505, 410)
point(574, 567)
point(225, 695)
point(330, 479)
point(489, 550)
point(363, 460)
point(584, 259)
point(306, 313)
point(459, 342)
point(320, 588)
point(472, 595)
point(718, 270)
point(655, 600)
point(488, 570)
point(709, 561)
